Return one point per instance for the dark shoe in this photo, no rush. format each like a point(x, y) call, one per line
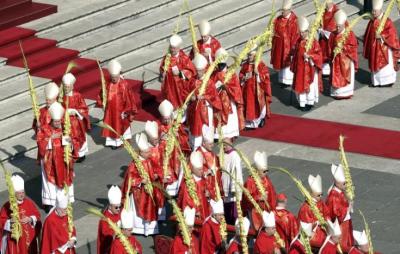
point(81, 159)
point(262, 123)
point(304, 109)
point(309, 107)
point(114, 147)
point(388, 85)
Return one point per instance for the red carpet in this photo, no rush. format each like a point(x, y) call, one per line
point(310, 132)
point(48, 61)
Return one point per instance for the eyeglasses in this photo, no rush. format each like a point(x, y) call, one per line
point(117, 207)
point(320, 195)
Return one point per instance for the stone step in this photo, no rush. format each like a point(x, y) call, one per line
point(107, 19)
point(216, 13)
point(73, 13)
point(144, 24)
point(20, 99)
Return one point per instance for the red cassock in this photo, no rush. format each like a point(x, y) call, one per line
point(178, 246)
point(251, 186)
point(54, 165)
point(214, 45)
point(119, 100)
point(210, 238)
point(172, 85)
point(197, 112)
point(265, 244)
point(306, 215)
point(184, 199)
point(377, 52)
point(256, 95)
point(328, 24)
point(297, 247)
point(234, 247)
point(78, 127)
point(28, 243)
point(55, 234)
point(230, 92)
point(118, 248)
point(328, 248)
point(286, 225)
point(146, 208)
point(286, 33)
point(304, 71)
point(211, 162)
point(341, 64)
point(338, 207)
point(105, 234)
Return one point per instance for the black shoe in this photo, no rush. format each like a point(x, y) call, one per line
point(81, 159)
point(304, 109)
point(114, 147)
point(308, 107)
point(262, 123)
point(388, 85)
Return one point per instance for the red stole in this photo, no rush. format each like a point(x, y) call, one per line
point(297, 247)
point(286, 225)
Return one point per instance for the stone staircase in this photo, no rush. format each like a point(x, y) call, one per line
point(134, 32)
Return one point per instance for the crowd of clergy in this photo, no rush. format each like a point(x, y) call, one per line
point(177, 175)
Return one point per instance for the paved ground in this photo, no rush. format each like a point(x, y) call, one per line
point(376, 179)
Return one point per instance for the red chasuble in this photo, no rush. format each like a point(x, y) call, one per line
point(231, 92)
point(29, 241)
point(328, 248)
point(119, 100)
point(184, 199)
point(105, 234)
point(306, 215)
point(214, 45)
point(296, 248)
point(304, 71)
point(55, 234)
point(78, 127)
point(256, 95)
point(328, 24)
point(250, 184)
point(211, 162)
point(179, 247)
point(146, 208)
point(377, 52)
point(197, 112)
point(338, 207)
point(54, 165)
point(286, 33)
point(265, 244)
point(210, 238)
point(44, 118)
point(118, 248)
point(341, 64)
point(173, 86)
point(286, 225)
